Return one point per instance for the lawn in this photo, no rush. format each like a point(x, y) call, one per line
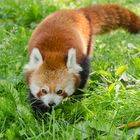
point(112, 95)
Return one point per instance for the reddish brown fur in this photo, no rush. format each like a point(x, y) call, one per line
point(28, 76)
point(40, 94)
point(104, 18)
point(61, 31)
point(73, 29)
point(64, 95)
point(77, 81)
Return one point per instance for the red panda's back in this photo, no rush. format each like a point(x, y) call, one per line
point(61, 31)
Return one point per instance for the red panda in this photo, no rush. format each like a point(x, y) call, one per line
point(60, 50)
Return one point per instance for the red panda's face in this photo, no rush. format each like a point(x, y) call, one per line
point(53, 80)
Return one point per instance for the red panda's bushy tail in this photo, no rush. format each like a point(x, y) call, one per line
point(104, 18)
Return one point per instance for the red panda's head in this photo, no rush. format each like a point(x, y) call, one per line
point(54, 78)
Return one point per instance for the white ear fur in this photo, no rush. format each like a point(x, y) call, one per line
point(35, 60)
point(71, 62)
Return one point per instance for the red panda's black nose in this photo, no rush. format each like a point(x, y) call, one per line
point(51, 104)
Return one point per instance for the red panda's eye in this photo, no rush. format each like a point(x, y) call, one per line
point(59, 91)
point(44, 91)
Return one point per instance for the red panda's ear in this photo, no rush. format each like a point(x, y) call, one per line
point(35, 60)
point(71, 62)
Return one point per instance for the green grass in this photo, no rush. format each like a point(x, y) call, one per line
point(93, 115)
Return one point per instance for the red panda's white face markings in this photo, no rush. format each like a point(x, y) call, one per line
point(53, 87)
point(49, 83)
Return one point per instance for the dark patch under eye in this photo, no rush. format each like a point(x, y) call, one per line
point(39, 94)
point(64, 94)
